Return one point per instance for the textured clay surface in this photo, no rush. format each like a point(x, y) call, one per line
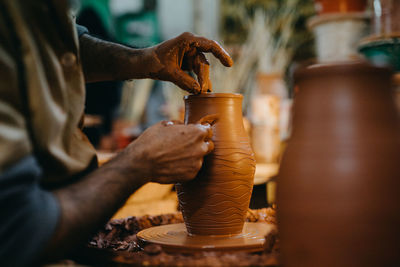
point(117, 245)
point(174, 238)
point(216, 201)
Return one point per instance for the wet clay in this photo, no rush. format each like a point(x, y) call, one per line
point(339, 187)
point(186, 53)
point(216, 201)
point(174, 238)
point(118, 243)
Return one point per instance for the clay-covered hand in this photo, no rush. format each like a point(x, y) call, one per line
point(170, 60)
point(171, 152)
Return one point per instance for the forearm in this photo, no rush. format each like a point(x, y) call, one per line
point(89, 204)
point(106, 61)
point(165, 153)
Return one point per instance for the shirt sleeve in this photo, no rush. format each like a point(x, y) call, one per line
point(28, 214)
point(81, 30)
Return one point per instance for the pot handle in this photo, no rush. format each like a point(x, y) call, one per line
point(209, 119)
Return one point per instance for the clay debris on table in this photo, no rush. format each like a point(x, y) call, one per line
point(119, 236)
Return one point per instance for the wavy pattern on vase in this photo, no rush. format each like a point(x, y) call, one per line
point(227, 181)
point(216, 201)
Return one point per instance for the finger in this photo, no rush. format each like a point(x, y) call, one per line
point(210, 145)
point(209, 86)
point(194, 170)
point(177, 122)
point(205, 133)
point(211, 46)
point(209, 119)
point(188, 171)
point(184, 81)
point(202, 70)
point(209, 132)
point(189, 59)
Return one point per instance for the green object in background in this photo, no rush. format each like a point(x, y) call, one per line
point(102, 9)
point(382, 51)
point(139, 30)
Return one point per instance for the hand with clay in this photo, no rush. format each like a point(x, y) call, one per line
point(167, 61)
point(169, 152)
point(186, 53)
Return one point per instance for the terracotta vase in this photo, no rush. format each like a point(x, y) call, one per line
point(216, 201)
point(339, 185)
point(340, 6)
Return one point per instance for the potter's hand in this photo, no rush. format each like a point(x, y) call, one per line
point(185, 53)
point(168, 61)
point(171, 152)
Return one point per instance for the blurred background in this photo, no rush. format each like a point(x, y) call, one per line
point(264, 38)
point(268, 40)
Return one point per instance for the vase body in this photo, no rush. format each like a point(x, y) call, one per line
point(215, 202)
point(339, 186)
point(340, 6)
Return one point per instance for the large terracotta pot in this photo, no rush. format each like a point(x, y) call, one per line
point(216, 201)
point(340, 6)
point(339, 186)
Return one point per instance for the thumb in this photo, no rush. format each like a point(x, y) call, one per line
point(209, 119)
point(202, 70)
point(184, 81)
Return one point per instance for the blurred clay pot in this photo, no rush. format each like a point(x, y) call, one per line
point(340, 6)
point(216, 201)
point(337, 35)
point(386, 18)
point(266, 117)
point(339, 184)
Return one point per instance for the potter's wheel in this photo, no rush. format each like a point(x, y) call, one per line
point(174, 238)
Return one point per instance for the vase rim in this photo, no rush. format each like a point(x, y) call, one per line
point(344, 67)
point(335, 17)
point(215, 95)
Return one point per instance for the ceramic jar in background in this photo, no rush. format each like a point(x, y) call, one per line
point(382, 47)
point(269, 113)
point(216, 201)
point(337, 35)
point(386, 18)
point(340, 6)
point(339, 184)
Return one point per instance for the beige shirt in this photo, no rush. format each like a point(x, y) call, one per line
point(41, 89)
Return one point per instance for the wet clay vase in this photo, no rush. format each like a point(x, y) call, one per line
point(339, 185)
point(215, 202)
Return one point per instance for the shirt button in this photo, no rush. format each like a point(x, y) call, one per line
point(68, 59)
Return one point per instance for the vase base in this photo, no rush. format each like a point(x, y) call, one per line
point(174, 238)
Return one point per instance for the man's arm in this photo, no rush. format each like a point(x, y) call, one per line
point(107, 61)
point(165, 153)
point(167, 61)
point(88, 204)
